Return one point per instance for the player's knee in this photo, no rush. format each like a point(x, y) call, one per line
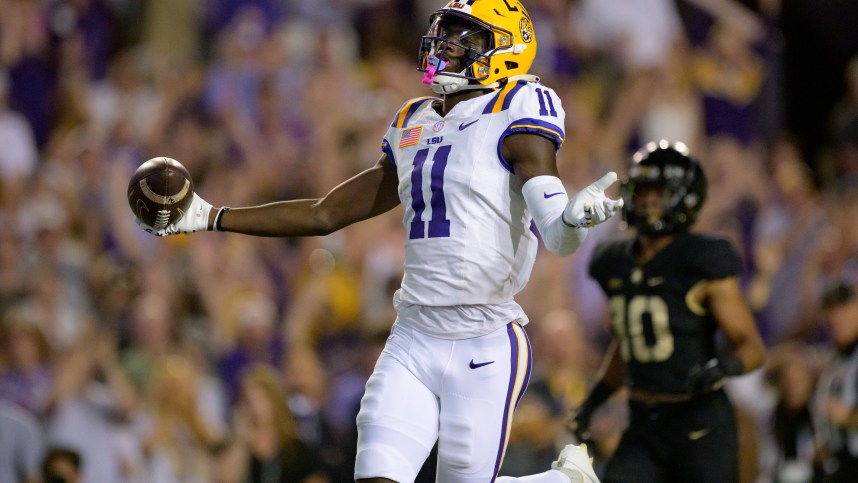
point(383, 462)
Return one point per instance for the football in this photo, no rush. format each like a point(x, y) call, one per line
point(160, 191)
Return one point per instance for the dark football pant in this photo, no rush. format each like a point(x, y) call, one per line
point(677, 443)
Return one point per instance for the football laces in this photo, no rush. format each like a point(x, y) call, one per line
point(162, 219)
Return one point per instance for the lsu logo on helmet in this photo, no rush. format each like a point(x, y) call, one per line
point(526, 30)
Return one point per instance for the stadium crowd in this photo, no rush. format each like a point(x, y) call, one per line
point(140, 359)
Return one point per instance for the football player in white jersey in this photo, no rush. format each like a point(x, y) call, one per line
point(472, 168)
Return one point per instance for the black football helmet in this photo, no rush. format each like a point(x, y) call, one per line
point(670, 168)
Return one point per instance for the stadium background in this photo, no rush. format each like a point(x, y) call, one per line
point(131, 349)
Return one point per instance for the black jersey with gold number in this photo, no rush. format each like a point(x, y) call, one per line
point(662, 331)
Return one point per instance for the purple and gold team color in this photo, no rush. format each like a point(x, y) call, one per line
point(458, 348)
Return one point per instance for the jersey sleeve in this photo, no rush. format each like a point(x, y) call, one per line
point(532, 108)
point(715, 258)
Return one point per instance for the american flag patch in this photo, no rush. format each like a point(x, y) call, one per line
point(410, 136)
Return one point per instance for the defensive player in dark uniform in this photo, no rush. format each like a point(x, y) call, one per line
point(671, 294)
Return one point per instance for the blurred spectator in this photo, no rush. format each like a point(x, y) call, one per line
point(729, 75)
point(56, 264)
point(178, 434)
point(252, 319)
point(19, 156)
point(21, 445)
point(153, 334)
point(94, 22)
point(93, 409)
point(844, 130)
point(61, 465)
point(636, 39)
point(28, 380)
point(307, 386)
point(219, 14)
point(26, 51)
point(265, 433)
point(13, 286)
point(836, 400)
point(786, 231)
point(674, 110)
point(343, 405)
point(126, 99)
point(790, 371)
point(172, 32)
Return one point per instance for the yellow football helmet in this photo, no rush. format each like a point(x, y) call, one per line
point(497, 37)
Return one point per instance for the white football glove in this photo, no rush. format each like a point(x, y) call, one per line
point(590, 207)
point(195, 219)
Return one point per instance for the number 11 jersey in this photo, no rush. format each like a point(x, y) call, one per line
point(469, 240)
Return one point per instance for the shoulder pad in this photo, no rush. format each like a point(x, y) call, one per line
point(408, 109)
point(532, 108)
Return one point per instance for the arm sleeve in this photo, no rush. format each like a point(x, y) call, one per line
point(546, 199)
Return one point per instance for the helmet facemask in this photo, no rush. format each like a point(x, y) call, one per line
point(455, 34)
point(680, 182)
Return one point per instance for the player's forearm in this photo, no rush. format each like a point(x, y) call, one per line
point(546, 199)
point(279, 219)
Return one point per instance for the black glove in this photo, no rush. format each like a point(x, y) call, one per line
point(712, 375)
point(579, 423)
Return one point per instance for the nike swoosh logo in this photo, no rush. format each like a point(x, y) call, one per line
point(549, 195)
point(695, 435)
point(475, 365)
point(463, 126)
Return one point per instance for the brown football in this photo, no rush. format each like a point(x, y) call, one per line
point(160, 191)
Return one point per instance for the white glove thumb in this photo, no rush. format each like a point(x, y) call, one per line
point(590, 207)
point(195, 219)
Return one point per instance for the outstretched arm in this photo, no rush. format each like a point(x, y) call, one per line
point(562, 221)
point(363, 196)
point(367, 194)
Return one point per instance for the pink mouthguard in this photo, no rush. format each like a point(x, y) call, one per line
point(433, 65)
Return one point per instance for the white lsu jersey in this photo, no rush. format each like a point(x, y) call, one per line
point(469, 240)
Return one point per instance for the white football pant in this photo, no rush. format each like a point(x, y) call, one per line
point(461, 393)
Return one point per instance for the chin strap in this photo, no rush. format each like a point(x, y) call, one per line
point(456, 84)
